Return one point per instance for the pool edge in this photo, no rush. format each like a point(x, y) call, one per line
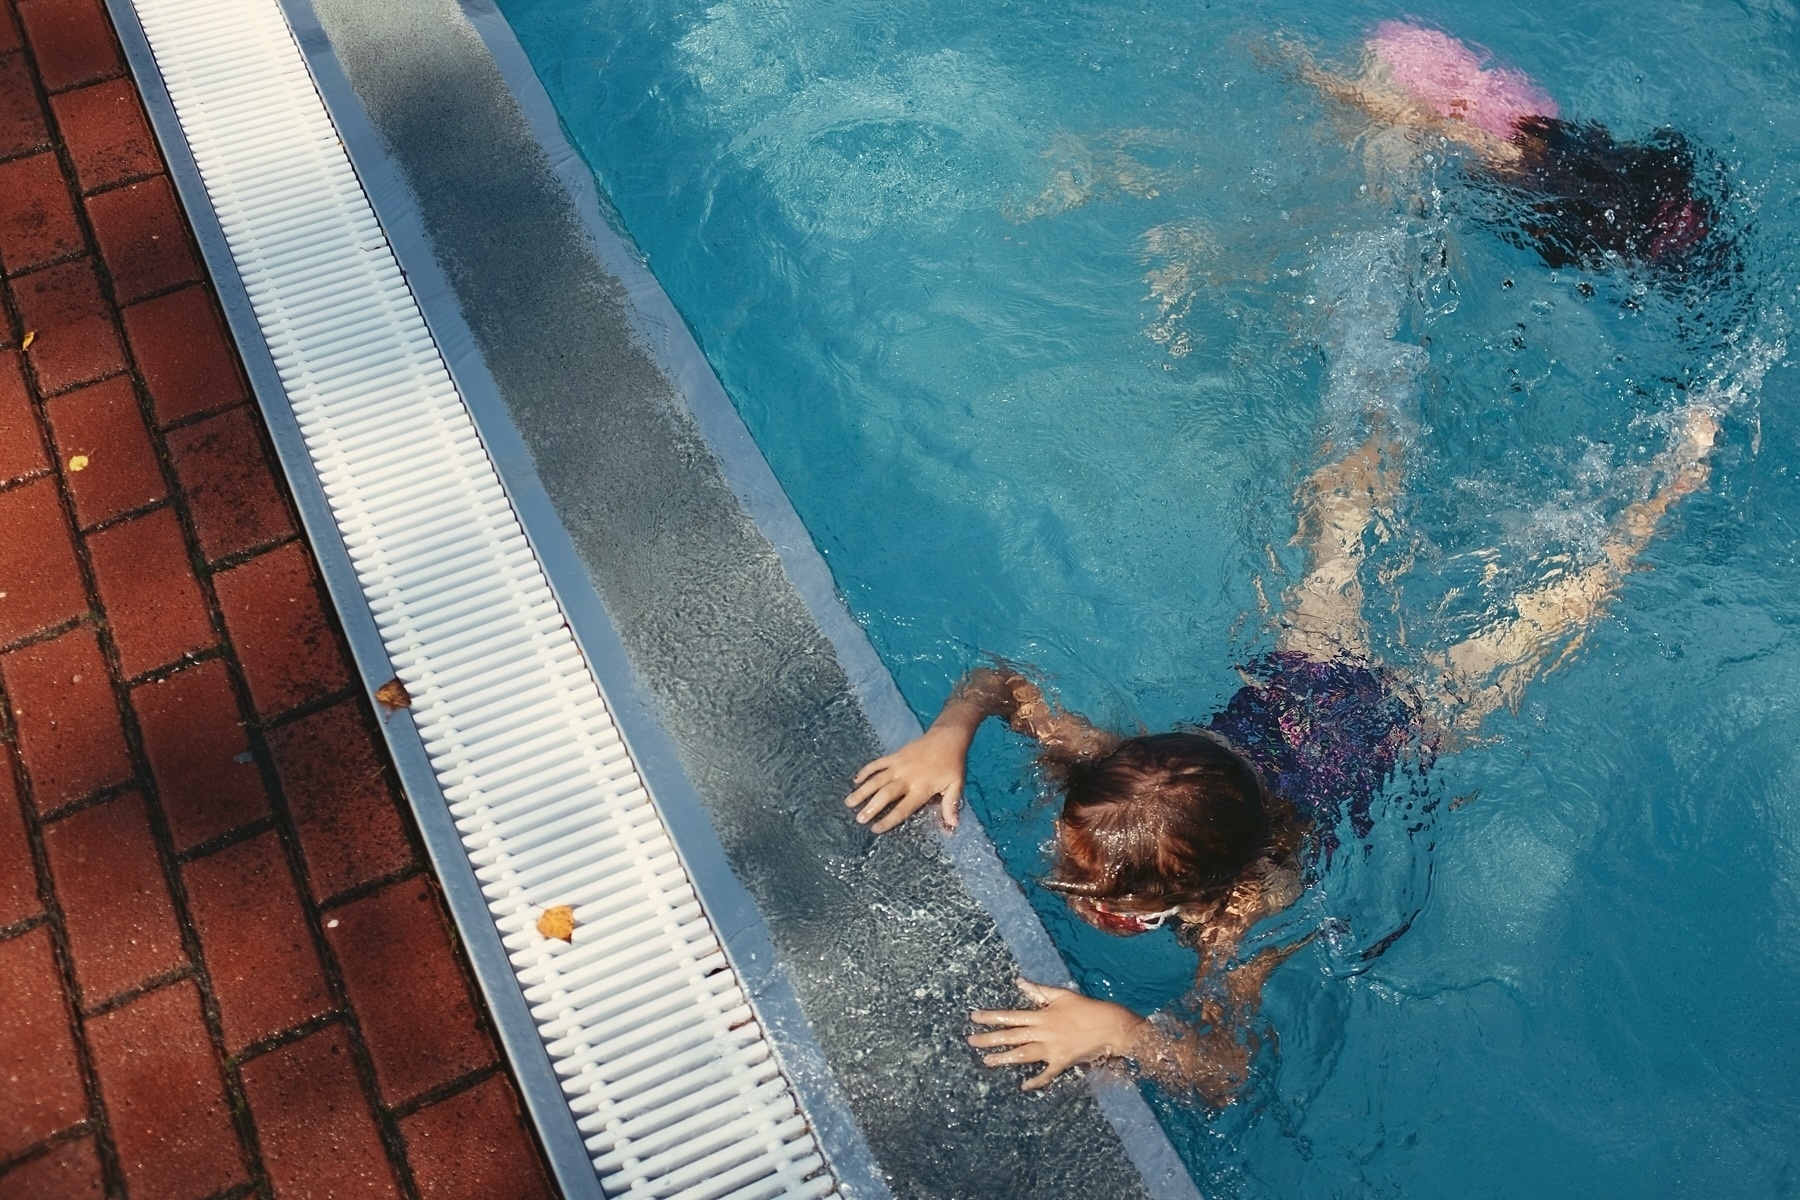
point(763, 498)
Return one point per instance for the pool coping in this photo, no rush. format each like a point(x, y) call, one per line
point(751, 479)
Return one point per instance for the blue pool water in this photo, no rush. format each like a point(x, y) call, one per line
point(1040, 313)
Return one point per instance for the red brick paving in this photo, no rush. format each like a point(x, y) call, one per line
point(105, 134)
point(72, 40)
point(21, 445)
point(70, 1171)
point(183, 354)
point(71, 323)
point(147, 586)
point(44, 1090)
point(215, 935)
point(19, 899)
point(278, 628)
point(231, 486)
point(351, 831)
point(458, 1157)
point(320, 1139)
point(253, 932)
point(143, 238)
point(62, 703)
point(417, 1016)
point(21, 108)
point(37, 221)
point(118, 913)
point(199, 754)
point(100, 430)
point(165, 1095)
point(42, 585)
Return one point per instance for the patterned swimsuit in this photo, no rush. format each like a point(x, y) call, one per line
point(1325, 735)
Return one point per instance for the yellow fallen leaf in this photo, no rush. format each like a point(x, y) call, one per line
point(78, 463)
point(393, 694)
point(30, 337)
point(558, 922)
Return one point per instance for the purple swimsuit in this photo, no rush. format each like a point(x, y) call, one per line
point(1325, 735)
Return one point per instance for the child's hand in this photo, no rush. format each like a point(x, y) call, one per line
point(1066, 1028)
point(930, 767)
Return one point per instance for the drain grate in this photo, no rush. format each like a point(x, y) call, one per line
point(664, 1065)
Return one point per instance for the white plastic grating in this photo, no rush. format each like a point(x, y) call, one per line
point(664, 1066)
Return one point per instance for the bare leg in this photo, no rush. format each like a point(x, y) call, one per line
point(1477, 676)
point(1322, 615)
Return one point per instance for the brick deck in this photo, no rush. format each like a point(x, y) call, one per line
point(224, 968)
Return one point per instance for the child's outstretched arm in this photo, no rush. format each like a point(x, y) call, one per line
point(1211, 1058)
point(931, 766)
point(1374, 93)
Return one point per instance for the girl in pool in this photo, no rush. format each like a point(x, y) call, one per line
point(1577, 196)
point(1210, 828)
point(1214, 829)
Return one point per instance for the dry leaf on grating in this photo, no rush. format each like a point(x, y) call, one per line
point(393, 694)
point(558, 922)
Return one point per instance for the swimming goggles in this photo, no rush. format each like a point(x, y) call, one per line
point(1137, 920)
point(1105, 915)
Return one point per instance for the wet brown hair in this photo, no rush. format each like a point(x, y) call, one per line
point(1161, 820)
point(1579, 196)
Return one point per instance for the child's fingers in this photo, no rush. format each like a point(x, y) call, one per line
point(865, 791)
point(1004, 1016)
point(1028, 1053)
point(872, 766)
point(910, 803)
point(868, 780)
point(952, 800)
point(883, 796)
point(1017, 1036)
point(1041, 994)
point(1044, 1077)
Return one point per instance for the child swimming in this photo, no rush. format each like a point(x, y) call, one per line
point(1210, 828)
point(1572, 192)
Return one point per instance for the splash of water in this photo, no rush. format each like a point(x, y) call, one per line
point(1576, 522)
point(1365, 285)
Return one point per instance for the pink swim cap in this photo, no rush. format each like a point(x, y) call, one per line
point(1447, 76)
